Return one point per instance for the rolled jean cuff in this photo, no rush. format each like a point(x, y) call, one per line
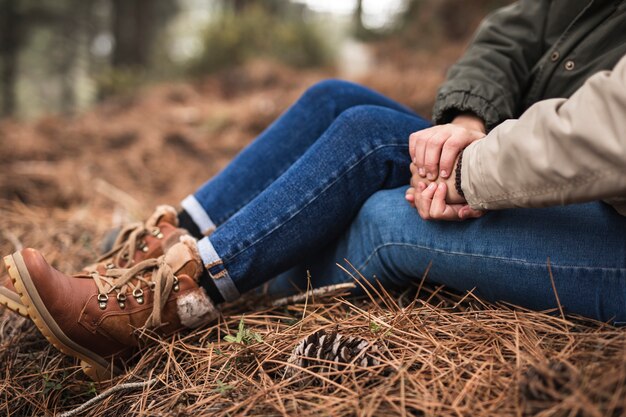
point(198, 214)
point(217, 271)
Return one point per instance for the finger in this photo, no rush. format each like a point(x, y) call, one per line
point(451, 149)
point(414, 176)
point(438, 205)
point(409, 195)
point(433, 153)
point(420, 148)
point(415, 179)
point(412, 139)
point(417, 191)
point(418, 184)
point(458, 141)
point(425, 200)
point(417, 194)
point(466, 212)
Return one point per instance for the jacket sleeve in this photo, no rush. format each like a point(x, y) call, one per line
point(560, 151)
point(492, 74)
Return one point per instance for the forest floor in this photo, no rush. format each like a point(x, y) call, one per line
point(66, 181)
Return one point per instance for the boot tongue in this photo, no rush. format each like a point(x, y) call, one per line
point(184, 259)
point(163, 214)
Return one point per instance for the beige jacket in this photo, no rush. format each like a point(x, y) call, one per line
point(559, 151)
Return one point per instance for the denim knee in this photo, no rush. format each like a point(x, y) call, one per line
point(339, 95)
point(369, 124)
point(382, 217)
point(377, 208)
point(328, 89)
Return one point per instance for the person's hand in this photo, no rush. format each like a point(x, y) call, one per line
point(434, 150)
point(431, 204)
point(438, 200)
point(452, 195)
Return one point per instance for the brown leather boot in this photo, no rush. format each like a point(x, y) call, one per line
point(9, 297)
point(100, 317)
point(139, 241)
point(136, 242)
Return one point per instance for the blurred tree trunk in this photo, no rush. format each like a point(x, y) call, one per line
point(358, 15)
point(457, 21)
point(271, 6)
point(133, 31)
point(359, 27)
point(9, 50)
point(73, 32)
point(239, 5)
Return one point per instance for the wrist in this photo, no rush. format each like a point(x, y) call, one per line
point(470, 121)
point(453, 196)
point(457, 175)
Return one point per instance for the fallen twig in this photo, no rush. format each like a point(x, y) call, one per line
point(121, 387)
point(317, 292)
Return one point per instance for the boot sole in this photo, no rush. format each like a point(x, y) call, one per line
point(12, 301)
point(95, 366)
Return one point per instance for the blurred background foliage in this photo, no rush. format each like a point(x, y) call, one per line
point(62, 56)
point(259, 30)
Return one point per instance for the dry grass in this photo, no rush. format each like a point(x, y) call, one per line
point(66, 181)
point(442, 355)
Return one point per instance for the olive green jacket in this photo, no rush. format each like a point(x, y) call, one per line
point(559, 151)
point(570, 146)
point(531, 51)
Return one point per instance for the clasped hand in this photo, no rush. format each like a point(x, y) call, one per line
point(434, 152)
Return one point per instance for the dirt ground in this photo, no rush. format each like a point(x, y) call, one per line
point(65, 181)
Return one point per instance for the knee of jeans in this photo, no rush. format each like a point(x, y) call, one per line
point(371, 121)
point(382, 216)
point(379, 236)
point(326, 89)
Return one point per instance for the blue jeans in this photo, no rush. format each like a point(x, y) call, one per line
point(326, 182)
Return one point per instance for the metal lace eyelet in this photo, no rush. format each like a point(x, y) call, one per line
point(176, 286)
point(152, 286)
point(102, 301)
point(138, 294)
point(121, 300)
point(143, 246)
point(156, 232)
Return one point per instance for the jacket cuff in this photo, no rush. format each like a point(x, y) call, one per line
point(452, 103)
point(472, 182)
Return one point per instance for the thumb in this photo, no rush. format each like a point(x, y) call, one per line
point(466, 212)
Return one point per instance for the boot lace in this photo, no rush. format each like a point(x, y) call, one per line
point(128, 242)
point(121, 281)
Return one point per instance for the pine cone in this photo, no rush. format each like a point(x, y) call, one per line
point(331, 351)
point(542, 385)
